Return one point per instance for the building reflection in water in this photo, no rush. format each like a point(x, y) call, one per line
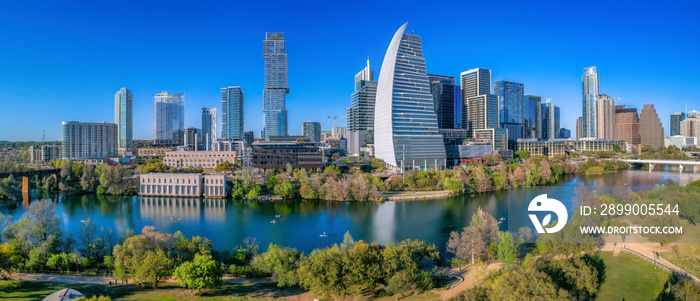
point(384, 223)
point(189, 209)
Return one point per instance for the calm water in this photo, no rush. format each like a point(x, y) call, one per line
point(228, 222)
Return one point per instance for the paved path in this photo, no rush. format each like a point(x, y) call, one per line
point(471, 276)
point(106, 280)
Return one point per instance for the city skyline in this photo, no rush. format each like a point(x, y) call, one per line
point(623, 72)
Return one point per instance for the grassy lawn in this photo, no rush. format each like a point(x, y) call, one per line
point(10, 290)
point(630, 278)
point(686, 253)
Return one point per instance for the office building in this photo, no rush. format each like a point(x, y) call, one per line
point(443, 89)
point(43, 154)
point(277, 154)
point(311, 130)
point(360, 114)
point(532, 116)
point(124, 118)
point(627, 125)
point(203, 159)
point(510, 107)
point(564, 133)
point(153, 151)
point(590, 88)
point(276, 90)
point(556, 147)
point(405, 124)
point(209, 128)
point(87, 140)
point(475, 82)
point(606, 117)
point(651, 131)
point(232, 103)
point(690, 127)
point(192, 139)
point(550, 120)
point(183, 185)
point(248, 138)
point(339, 132)
point(579, 127)
point(168, 118)
point(465, 154)
point(681, 141)
point(676, 119)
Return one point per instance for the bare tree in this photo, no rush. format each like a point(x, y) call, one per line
point(87, 236)
point(45, 220)
point(468, 244)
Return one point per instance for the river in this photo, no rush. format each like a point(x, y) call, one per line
point(301, 223)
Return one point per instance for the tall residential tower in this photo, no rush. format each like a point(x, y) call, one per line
point(168, 118)
point(232, 103)
point(208, 128)
point(510, 107)
point(124, 118)
point(276, 90)
point(590, 88)
point(361, 111)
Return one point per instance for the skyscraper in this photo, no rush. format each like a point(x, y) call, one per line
point(405, 123)
point(510, 107)
point(88, 140)
point(232, 103)
point(579, 127)
point(124, 118)
point(532, 116)
point(590, 85)
point(690, 127)
point(311, 131)
point(275, 91)
point(606, 117)
point(474, 82)
point(209, 128)
point(168, 118)
point(676, 119)
point(650, 129)
point(361, 111)
point(627, 125)
point(550, 120)
point(443, 89)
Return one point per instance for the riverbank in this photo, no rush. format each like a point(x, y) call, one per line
point(416, 195)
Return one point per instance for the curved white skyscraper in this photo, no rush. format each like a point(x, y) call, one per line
point(405, 125)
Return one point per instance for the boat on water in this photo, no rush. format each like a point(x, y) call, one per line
point(324, 234)
point(273, 222)
point(278, 215)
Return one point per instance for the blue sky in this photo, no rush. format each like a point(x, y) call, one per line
point(62, 61)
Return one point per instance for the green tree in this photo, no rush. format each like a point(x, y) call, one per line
point(199, 273)
point(155, 266)
point(94, 298)
point(523, 154)
point(285, 189)
point(224, 166)
point(280, 262)
point(506, 250)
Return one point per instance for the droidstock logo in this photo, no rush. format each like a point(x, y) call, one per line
point(542, 203)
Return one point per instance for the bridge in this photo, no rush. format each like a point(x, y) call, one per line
point(361, 162)
point(681, 163)
point(26, 174)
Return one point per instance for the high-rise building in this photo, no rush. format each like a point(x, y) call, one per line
point(564, 133)
point(248, 138)
point(676, 119)
point(361, 111)
point(208, 128)
point(193, 138)
point(510, 107)
point(550, 120)
point(276, 90)
point(650, 129)
point(690, 127)
point(168, 118)
point(311, 130)
point(124, 118)
point(443, 89)
point(232, 103)
point(405, 124)
point(606, 117)
point(88, 140)
point(627, 125)
point(339, 132)
point(532, 116)
point(474, 82)
point(482, 112)
point(590, 85)
point(579, 128)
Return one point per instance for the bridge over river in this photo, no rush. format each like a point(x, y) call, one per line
point(652, 162)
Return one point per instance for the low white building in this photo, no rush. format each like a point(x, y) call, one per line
point(183, 185)
point(680, 141)
point(201, 159)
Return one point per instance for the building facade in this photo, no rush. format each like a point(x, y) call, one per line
point(579, 127)
point(168, 118)
point(311, 130)
point(276, 89)
point(550, 120)
point(153, 151)
point(564, 133)
point(627, 125)
point(124, 118)
point(209, 128)
point(651, 131)
point(590, 88)
point(201, 159)
point(183, 185)
point(360, 114)
point(405, 123)
point(676, 119)
point(606, 117)
point(551, 148)
point(510, 107)
point(690, 127)
point(532, 116)
point(87, 140)
point(193, 138)
point(443, 89)
point(475, 82)
point(43, 154)
point(268, 155)
point(232, 103)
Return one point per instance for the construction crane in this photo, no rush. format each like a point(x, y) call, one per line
point(335, 118)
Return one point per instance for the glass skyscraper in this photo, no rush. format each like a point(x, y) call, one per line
point(477, 82)
point(361, 111)
point(443, 89)
point(590, 88)
point(676, 119)
point(510, 107)
point(405, 125)
point(208, 128)
point(124, 118)
point(168, 118)
point(311, 131)
point(550, 120)
point(532, 116)
point(232, 103)
point(275, 91)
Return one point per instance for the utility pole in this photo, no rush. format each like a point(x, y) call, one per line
point(403, 160)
